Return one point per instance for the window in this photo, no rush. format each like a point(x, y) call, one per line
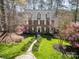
point(35, 22)
point(47, 22)
point(35, 29)
point(38, 22)
point(47, 30)
point(27, 29)
point(38, 28)
point(27, 22)
point(50, 22)
point(47, 16)
point(29, 16)
point(44, 22)
point(44, 29)
point(30, 29)
point(38, 16)
point(32, 22)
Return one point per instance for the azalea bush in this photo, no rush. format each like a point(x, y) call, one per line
point(71, 34)
point(20, 29)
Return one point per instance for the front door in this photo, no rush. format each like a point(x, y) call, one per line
point(39, 29)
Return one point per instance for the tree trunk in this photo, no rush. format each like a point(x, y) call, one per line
point(75, 15)
point(57, 5)
point(3, 22)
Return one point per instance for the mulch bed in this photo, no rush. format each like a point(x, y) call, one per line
point(66, 49)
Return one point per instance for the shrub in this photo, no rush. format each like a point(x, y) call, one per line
point(20, 29)
point(9, 51)
point(71, 34)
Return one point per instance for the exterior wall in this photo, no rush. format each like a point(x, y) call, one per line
point(33, 26)
point(44, 23)
point(32, 14)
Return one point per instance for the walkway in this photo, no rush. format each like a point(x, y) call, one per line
point(1, 58)
point(28, 54)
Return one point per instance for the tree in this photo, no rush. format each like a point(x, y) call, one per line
point(3, 23)
point(58, 5)
point(74, 5)
point(76, 11)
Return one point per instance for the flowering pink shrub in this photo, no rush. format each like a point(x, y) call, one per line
point(20, 29)
point(71, 33)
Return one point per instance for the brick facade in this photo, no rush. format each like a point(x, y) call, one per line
point(39, 26)
point(40, 21)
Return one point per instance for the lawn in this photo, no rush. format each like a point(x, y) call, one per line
point(9, 51)
point(43, 49)
point(46, 50)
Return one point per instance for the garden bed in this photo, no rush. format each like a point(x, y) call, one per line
point(9, 51)
point(47, 51)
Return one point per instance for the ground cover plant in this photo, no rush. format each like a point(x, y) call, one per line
point(9, 51)
point(47, 51)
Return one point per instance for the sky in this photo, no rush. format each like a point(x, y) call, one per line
point(30, 5)
point(66, 3)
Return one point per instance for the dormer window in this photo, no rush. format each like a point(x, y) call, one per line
point(47, 16)
point(29, 16)
point(38, 16)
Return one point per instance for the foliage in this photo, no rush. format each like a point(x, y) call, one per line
point(36, 46)
point(21, 1)
point(46, 50)
point(20, 29)
point(9, 51)
point(71, 33)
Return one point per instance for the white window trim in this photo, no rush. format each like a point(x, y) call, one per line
point(38, 22)
point(44, 22)
point(50, 22)
point(27, 22)
point(44, 28)
point(32, 28)
point(32, 22)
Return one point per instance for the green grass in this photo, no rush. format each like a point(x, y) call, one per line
point(9, 51)
point(43, 49)
point(46, 50)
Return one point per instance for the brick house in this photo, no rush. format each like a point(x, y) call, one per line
point(40, 21)
point(40, 18)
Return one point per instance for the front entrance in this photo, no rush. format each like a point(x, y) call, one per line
point(39, 29)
